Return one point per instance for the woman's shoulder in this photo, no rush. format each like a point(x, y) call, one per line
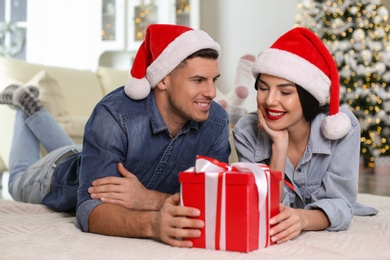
point(352, 117)
point(248, 121)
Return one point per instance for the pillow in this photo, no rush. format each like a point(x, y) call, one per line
point(81, 88)
point(111, 79)
point(50, 95)
point(75, 128)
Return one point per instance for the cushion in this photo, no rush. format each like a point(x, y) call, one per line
point(81, 88)
point(111, 79)
point(50, 95)
point(75, 128)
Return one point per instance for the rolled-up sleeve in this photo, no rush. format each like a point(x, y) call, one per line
point(338, 192)
point(103, 146)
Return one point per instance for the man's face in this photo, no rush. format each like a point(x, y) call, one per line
point(189, 90)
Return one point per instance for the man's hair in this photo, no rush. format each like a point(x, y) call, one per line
point(310, 105)
point(205, 53)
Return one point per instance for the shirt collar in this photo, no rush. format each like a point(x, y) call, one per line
point(157, 121)
point(317, 142)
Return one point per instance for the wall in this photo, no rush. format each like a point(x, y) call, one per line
point(64, 33)
point(67, 33)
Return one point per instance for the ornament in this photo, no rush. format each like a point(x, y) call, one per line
point(358, 35)
point(345, 73)
point(307, 3)
point(382, 12)
point(386, 76)
point(354, 10)
point(380, 68)
point(375, 2)
point(16, 36)
point(361, 70)
point(366, 55)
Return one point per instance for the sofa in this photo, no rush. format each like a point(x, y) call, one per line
point(69, 94)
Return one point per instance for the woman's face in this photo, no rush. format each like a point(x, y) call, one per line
point(279, 103)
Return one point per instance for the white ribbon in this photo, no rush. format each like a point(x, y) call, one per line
point(212, 171)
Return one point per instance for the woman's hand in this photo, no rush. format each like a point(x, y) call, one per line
point(126, 191)
point(279, 145)
point(290, 222)
point(275, 136)
point(174, 222)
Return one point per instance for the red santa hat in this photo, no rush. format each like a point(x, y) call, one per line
point(164, 48)
point(301, 57)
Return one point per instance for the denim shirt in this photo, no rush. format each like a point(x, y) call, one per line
point(133, 132)
point(326, 176)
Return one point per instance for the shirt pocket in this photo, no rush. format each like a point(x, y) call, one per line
point(312, 188)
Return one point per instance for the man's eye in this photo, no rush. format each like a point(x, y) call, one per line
point(198, 80)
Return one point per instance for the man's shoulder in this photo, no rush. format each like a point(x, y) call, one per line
point(118, 100)
point(218, 114)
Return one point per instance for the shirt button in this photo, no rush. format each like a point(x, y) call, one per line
point(299, 170)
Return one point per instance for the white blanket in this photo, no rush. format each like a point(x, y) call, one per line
point(30, 231)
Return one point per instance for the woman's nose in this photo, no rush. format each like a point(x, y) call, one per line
point(271, 98)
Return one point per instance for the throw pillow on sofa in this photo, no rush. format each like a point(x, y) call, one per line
point(50, 95)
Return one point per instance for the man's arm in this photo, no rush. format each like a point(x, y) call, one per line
point(127, 192)
point(171, 223)
point(115, 220)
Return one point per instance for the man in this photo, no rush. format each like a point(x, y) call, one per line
point(133, 147)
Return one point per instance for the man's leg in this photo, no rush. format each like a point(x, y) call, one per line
point(24, 153)
point(30, 175)
point(33, 125)
point(47, 130)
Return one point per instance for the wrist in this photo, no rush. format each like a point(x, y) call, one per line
point(155, 200)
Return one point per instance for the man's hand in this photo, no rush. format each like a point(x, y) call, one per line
point(127, 192)
point(174, 222)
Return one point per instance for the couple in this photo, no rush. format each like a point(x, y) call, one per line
point(123, 181)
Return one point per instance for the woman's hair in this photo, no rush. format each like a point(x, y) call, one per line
point(310, 105)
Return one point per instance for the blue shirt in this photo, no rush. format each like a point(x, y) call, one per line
point(326, 176)
point(133, 132)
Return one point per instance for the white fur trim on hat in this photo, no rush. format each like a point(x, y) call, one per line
point(336, 126)
point(292, 67)
point(137, 88)
point(178, 50)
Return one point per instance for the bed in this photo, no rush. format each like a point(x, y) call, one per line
point(30, 231)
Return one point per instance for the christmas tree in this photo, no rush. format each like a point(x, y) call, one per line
point(356, 34)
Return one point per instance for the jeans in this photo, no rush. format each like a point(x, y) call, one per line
point(30, 175)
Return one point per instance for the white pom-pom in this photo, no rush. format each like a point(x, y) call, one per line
point(137, 88)
point(336, 126)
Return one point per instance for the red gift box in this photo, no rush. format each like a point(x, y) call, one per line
point(236, 202)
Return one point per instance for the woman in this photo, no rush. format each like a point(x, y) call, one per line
point(295, 131)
